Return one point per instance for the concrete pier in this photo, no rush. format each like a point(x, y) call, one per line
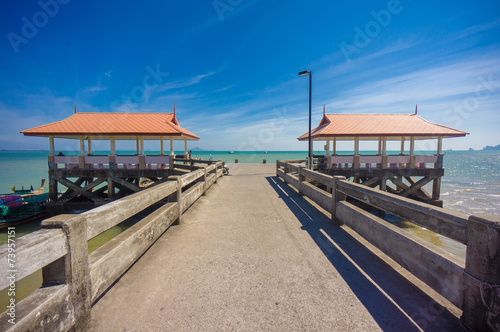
point(254, 255)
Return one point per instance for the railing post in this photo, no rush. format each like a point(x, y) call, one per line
point(385, 159)
point(171, 164)
point(302, 178)
point(284, 172)
point(481, 308)
point(355, 163)
point(336, 197)
point(205, 178)
point(142, 162)
point(179, 201)
point(72, 269)
point(81, 162)
point(217, 165)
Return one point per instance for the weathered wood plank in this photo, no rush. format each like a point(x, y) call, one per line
point(129, 185)
point(46, 309)
point(319, 196)
point(32, 252)
point(191, 195)
point(294, 161)
point(78, 190)
point(106, 216)
point(318, 177)
point(191, 177)
point(439, 269)
point(291, 168)
point(111, 260)
point(442, 221)
point(292, 180)
point(280, 173)
point(211, 180)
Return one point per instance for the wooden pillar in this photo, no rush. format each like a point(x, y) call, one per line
point(327, 146)
point(436, 183)
point(142, 146)
point(111, 188)
point(171, 146)
point(52, 184)
point(51, 146)
point(137, 145)
point(384, 158)
point(185, 146)
point(89, 146)
point(440, 145)
point(112, 146)
point(379, 145)
point(356, 153)
point(401, 164)
point(161, 146)
point(81, 162)
point(334, 146)
point(82, 146)
point(413, 159)
point(383, 183)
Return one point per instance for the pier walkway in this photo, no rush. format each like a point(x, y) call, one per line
point(253, 255)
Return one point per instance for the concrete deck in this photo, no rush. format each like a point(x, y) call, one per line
point(252, 255)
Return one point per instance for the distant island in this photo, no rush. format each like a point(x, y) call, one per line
point(492, 148)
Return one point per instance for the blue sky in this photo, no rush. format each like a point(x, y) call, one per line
point(231, 66)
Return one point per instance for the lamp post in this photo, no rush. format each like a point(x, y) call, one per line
point(308, 73)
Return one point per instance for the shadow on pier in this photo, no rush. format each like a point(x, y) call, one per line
point(378, 284)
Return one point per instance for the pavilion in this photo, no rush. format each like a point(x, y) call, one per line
point(120, 171)
point(377, 170)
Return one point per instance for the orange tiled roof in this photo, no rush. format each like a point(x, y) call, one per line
point(371, 126)
point(121, 125)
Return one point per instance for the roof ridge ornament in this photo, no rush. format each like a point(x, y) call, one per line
point(415, 109)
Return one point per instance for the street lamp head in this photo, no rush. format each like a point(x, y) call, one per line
point(304, 73)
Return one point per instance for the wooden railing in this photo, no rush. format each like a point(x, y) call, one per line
point(384, 161)
point(472, 284)
point(74, 279)
point(109, 162)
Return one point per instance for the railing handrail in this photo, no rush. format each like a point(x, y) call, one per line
point(442, 221)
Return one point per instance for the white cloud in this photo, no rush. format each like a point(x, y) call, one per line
point(183, 83)
point(477, 29)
